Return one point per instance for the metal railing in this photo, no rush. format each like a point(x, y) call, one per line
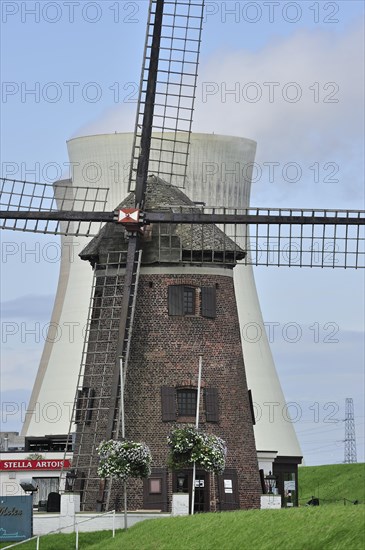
point(75, 526)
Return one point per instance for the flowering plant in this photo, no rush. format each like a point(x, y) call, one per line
point(124, 459)
point(189, 445)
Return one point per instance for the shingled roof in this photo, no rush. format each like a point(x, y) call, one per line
point(166, 243)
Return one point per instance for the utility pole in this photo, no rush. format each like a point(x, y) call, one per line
point(350, 437)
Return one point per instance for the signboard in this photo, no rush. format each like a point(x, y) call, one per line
point(228, 486)
point(16, 518)
point(270, 502)
point(180, 504)
point(289, 485)
point(42, 464)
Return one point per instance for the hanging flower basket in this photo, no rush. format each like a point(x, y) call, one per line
point(124, 459)
point(189, 445)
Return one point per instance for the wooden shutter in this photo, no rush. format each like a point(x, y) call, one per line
point(78, 410)
point(168, 404)
point(84, 405)
point(262, 481)
point(209, 308)
point(90, 394)
point(211, 405)
point(176, 300)
point(251, 407)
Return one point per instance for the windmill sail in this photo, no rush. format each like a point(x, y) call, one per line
point(289, 237)
point(175, 79)
point(45, 208)
point(167, 90)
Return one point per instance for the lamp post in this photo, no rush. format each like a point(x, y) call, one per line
point(70, 481)
point(28, 486)
point(270, 483)
point(180, 482)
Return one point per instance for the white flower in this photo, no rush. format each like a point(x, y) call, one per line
point(124, 459)
point(188, 445)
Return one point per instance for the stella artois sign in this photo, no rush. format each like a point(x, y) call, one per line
point(40, 464)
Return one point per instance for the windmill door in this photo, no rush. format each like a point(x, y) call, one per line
point(228, 490)
point(183, 482)
point(201, 499)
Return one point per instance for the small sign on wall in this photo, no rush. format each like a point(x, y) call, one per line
point(228, 486)
point(16, 515)
point(270, 502)
point(289, 485)
point(180, 504)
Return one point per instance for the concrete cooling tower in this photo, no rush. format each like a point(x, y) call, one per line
point(219, 174)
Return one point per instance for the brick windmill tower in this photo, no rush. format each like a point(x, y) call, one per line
point(185, 306)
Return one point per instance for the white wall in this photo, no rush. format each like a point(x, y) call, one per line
point(84, 522)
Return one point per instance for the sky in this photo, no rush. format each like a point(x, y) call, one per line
point(288, 75)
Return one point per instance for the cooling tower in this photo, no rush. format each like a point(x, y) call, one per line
point(219, 174)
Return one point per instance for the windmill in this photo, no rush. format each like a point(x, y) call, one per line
point(163, 110)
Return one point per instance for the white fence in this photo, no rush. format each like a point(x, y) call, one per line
point(69, 520)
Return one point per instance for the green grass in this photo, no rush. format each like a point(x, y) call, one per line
point(332, 483)
point(330, 527)
point(306, 528)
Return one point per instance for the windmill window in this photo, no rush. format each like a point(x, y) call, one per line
point(177, 403)
point(189, 300)
point(186, 402)
point(181, 300)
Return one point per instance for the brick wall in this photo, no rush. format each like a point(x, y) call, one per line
point(165, 352)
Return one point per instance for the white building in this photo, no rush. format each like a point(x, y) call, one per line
point(41, 470)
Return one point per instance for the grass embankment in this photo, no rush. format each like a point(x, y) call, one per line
point(307, 528)
point(330, 527)
point(332, 483)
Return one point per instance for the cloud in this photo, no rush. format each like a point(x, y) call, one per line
point(300, 98)
point(324, 72)
point(303, 58)
point(112, 120)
